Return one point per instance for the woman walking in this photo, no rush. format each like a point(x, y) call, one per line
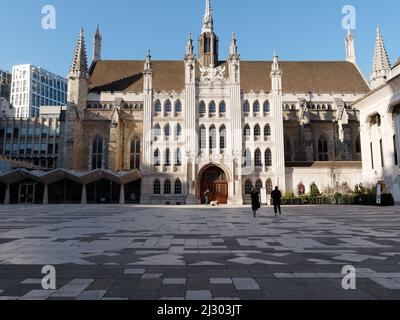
point(255, 201)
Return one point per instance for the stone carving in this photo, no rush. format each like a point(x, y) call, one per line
point(212, 74)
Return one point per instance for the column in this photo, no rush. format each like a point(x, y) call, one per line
point(122, 194)
point(84, 197)
point(7, 196)
point(46, 194)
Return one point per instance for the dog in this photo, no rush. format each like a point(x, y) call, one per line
point(214, 203)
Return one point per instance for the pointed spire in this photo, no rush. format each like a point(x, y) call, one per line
point(381, 65)
point(350, 47)
point(148, 64)
point(97, 45)
point(189, 46)
point(79, 62)
point(208, 23)
point(234, 48)
point(275, 64)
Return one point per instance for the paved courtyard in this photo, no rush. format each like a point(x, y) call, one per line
point(138, 252)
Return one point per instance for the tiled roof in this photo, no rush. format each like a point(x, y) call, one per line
point(306, 76)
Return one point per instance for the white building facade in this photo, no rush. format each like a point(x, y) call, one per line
point(33, 87)
point(380, 123)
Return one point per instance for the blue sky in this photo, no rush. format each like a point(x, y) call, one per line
point(301, 30)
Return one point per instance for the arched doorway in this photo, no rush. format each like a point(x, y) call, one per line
point(215, 180)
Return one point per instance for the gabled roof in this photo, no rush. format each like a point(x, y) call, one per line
point(298, 76)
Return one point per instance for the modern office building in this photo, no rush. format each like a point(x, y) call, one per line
point(5, 84)
point(33, 87)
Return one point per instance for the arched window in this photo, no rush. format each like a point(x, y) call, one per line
point(358, 144)
point(247, 187)
point(167, 158)
point(246, 107)
point(157, 187)
point(222, 138)
point(168, 106)
point(247, 132)
point(257, 132)
point(323, 154)
point(203, 138)
point(212, 108)
point(178, 131)
point(269, 186)
point(267, 132)
point(247, 158)
point(222, 108)
point(157, 106)
point(97, 153)
point(167, 187)
point(257, 158)
point(256, 107)
point(213, 138)
point(178, 187)
point(267, 108)
point(268, 158)
point(135, 154)
point(178, 106)
point(259, 184)
point(202, 108)
point(156, 159)
point(157, 132)
point(167, 131)
point(178, 158)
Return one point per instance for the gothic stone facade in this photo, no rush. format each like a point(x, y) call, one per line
point(203, 123)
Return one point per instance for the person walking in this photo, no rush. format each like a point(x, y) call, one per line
point(255, 201)
point(276, 201)
point(206, 194)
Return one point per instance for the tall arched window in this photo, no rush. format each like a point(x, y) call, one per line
point(269, 186)
point(178, 132)
point(178, 158)
point(168, 106)
point(246, 107)
point(259, 184)
point(157, 187)
point(257, 158)
point(323, 154)
point(167, 158)
point(267, 108)
point(256, 107)
point(247, 187)
point(267, 131)
point(212, 107)
point(213, 138)
point(135, 154)
point(203, 138)
point(178, 106)
point(157, 106)
point(247, 132)
point(97, 153)
point(257, 132)
point(222, 138)
point(156, 158)
point(358, 144)
point(202, 108)
point(167, 131)
point(178, 187)
point(247, 158)
point(268, 158)
point(222, 108)
point(167, 187)
point(157, 132)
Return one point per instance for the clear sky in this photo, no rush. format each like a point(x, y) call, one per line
point(300, 30)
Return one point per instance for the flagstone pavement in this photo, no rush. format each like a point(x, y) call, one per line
point(114, 252)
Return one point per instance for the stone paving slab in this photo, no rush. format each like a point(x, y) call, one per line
point(156, 252)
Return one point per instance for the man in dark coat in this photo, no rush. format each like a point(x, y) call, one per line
point(255, 201)
point(276, 196)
